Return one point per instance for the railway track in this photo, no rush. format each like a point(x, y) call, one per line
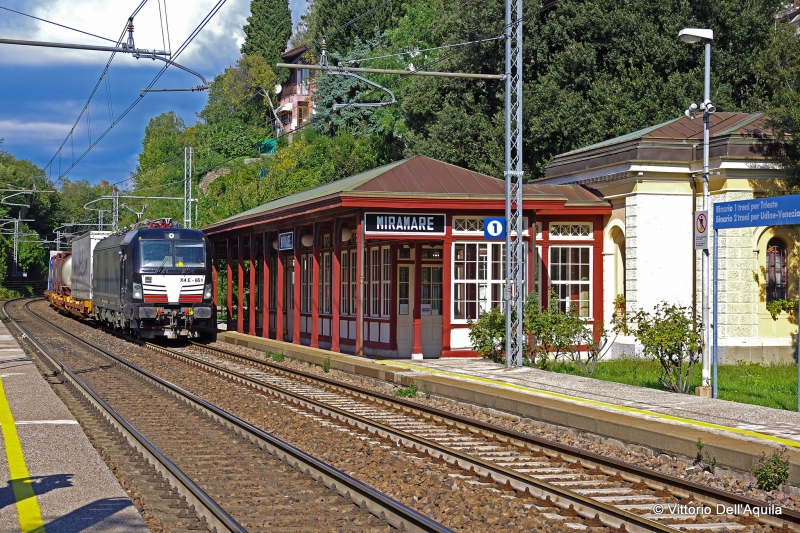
point(576, 485)
point(210, 469)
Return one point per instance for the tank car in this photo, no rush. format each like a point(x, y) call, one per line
point(59, 278)
point(153, 281)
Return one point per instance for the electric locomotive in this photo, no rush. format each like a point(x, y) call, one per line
point(153, 281)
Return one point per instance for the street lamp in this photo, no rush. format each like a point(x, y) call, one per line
point(691, 36)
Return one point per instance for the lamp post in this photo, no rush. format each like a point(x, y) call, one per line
point(705, 36)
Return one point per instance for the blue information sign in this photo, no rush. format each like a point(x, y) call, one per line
point(494, 228)
point(773, 211)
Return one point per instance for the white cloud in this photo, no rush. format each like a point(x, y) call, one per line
point(18, 131)
point(216, 46)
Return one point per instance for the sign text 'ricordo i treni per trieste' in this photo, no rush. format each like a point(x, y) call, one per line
point(399, 223)
point(773, 211)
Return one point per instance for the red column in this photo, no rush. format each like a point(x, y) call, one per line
point(265, 292)
point(298, 232)
point(214, 274)
point(531, 274)
point(252, 314)
point(279, 286)
point(416, 350)
point(447, 304)
point(240, 287)
point(336, 284)
point(229, 271)
point(360, 286)
point(393, 290)
point(315, 284)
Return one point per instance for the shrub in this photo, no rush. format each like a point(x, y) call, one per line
point(326, 365)
point(671, 336)
point(772, 471)
point(488, 335)
point(409, 391)
point(277, 357)
point(7, 294)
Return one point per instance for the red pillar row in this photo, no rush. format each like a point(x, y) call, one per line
point(296, 275)
point(252, 307)
point(360, 281)
point(315, 284)
point(447, 304)
point(280, 307)
point(265, 295)
point(240, 287)
point(336, 284)
point(229, 272)
point(215, 275)
point(416, 349)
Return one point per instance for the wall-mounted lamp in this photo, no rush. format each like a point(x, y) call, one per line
point(275, 244)
point(347, 234)
point(307, 240)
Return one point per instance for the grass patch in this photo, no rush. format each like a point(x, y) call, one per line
point(773, 385)
point(409, 391)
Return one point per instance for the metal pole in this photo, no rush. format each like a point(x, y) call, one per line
point(185, 186)
point(513, 177)
point(58, 240)
point(15, 270)
point(115, 214)
point(123, 49)
point(714, 390)
point(191, 171)
point(706, 375)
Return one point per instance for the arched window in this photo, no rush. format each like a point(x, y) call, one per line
point(776, 270)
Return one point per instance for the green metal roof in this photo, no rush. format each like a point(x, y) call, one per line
point(622, 138)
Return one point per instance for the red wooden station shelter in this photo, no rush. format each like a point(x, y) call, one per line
point(394, 262)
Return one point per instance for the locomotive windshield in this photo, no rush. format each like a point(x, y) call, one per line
point(171, 254)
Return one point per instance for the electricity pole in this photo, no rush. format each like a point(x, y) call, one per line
point(513, 176)
point(188, 155)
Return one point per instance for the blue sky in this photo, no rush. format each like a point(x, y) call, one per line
point(42, 91)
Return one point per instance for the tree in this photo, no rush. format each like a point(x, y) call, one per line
point(268, 29)
point(778, 72)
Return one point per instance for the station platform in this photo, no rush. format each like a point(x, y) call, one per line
point(662, 421)
point(51, 478)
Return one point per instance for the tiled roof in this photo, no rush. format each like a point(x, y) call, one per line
point(684, 128)
point(419, 177)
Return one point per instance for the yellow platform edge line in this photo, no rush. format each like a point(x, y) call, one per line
point(28, 512)
point(633, 410)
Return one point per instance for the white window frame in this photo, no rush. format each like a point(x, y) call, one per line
point(525, 230)
point(344, 297)
point(590, 281)
point(353, 282)
point(485, 286)
point(306, 279)
point(326, 283)
point(375, 281)
point(386, 282)
point(588, 237)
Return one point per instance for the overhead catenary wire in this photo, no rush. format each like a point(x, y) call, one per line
point(160, 73)
point(57, 24)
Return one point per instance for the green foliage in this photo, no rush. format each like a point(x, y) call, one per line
point(409, 391)
point(326, 365)
point(7, 294)
point(268, 29)
point(703, 455)
point(327, 18)
point(772, 471)
point(671, 336)
point(276, 357)
point(777, 306)
point(488, 335)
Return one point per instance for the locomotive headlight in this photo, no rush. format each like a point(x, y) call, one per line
point(137, 291)
point(207, 292)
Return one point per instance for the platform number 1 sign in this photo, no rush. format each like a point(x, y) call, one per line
point(494, 228)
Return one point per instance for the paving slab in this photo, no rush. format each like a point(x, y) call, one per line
point(72, 488)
